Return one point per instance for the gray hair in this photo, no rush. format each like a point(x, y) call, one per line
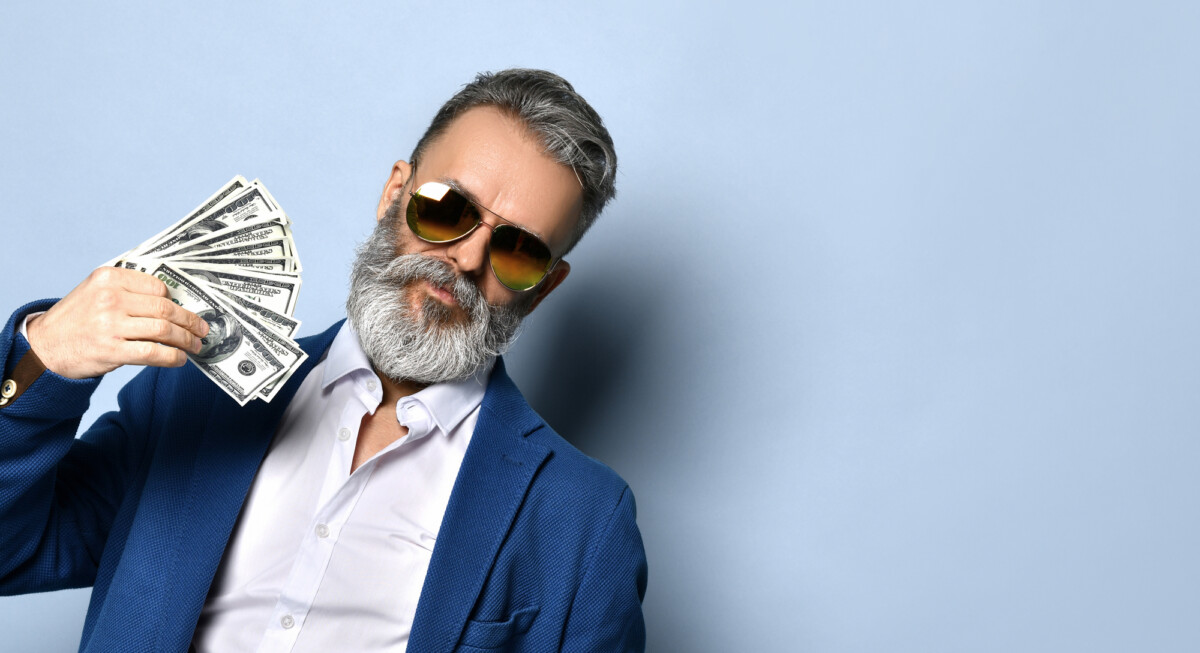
point(570, 130)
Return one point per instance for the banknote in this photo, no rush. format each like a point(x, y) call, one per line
point(234, 262)
point(278, 322)
point(277, 248)
point(284, 349)
point(269, 265)
point(275, 291)
point(249, 204)
point(237, 184)
point(248, 233)
point(232, 355)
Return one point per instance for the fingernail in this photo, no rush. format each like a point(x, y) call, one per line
point(196, 345)
point(204, 327)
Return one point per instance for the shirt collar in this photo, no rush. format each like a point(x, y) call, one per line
point(344, 356)
point(447, 403)
point(444, 405)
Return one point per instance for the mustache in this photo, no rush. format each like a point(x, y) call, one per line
point(404, 269)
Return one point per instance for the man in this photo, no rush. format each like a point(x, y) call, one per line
point(310, 523)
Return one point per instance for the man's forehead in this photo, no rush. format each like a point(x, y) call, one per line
point(465, 191)
point(495, 161)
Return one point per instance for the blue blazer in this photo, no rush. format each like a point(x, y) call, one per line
point(538, 549)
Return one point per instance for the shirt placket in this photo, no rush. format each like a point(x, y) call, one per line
point(340, 492)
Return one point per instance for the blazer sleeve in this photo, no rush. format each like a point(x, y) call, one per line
point(59, 494)
point(606, 614)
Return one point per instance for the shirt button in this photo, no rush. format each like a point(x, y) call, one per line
point(322, 530)
point(287, 621)
point(343, 434)
point(371, 385)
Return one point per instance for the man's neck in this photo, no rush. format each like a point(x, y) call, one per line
point(380, 429)
point(394, 391)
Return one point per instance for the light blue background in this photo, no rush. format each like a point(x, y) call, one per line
point(892, 329)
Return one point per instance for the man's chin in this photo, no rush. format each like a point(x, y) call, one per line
point(408, 329)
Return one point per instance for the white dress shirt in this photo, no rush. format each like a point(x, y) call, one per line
point(325, 560)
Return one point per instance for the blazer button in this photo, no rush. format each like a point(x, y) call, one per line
point(8, 390)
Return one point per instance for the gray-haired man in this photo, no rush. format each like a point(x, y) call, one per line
point(399, 492)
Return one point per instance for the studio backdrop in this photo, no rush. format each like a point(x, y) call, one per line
point(892, 327)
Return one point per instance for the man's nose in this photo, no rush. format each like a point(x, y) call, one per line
point(469, 254)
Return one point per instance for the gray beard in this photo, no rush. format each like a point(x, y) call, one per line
point(430, 346)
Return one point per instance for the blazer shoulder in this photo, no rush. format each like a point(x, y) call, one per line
point(570, 468)
point(567, 470)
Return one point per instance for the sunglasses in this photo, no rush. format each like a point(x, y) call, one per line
point(439, 214)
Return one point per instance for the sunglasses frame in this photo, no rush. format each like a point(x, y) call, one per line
point(479, 209)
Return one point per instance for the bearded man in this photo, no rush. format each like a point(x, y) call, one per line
point(398, 493)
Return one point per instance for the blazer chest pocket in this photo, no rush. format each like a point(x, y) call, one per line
point(494, 635)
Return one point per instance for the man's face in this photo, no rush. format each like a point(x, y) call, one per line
point(501, 166)
point(432, 312)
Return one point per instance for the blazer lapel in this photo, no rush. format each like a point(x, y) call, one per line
point(496, 471)
point(230, 451)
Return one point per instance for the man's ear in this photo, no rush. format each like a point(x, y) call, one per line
point(393, 188)
point(555, 277)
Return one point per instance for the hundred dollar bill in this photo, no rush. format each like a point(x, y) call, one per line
point(284, 266)
point(268, 249)
point(232, 354)
point(288, 352)
point(276, 292)
point(285, 325)
point(247, 205)
point(235, 185)
point(273, 267)
point(232, 186)
point(248, 233)
point(267, 318)
point(233, 261)
point(271, 199)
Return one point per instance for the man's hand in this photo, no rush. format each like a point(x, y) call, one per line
point(115, 317)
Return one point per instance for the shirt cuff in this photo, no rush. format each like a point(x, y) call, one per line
point(24, 330)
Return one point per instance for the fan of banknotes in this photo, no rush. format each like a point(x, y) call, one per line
point(233, 262)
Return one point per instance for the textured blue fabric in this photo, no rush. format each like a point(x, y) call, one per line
point(538, 551)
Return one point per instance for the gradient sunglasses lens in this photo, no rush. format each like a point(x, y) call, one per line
point(437, 213)
point(520, 260)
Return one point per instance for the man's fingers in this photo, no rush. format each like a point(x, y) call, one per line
point(131, 280)
point(162, 332)
point(143, 352)
point(162, 308)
